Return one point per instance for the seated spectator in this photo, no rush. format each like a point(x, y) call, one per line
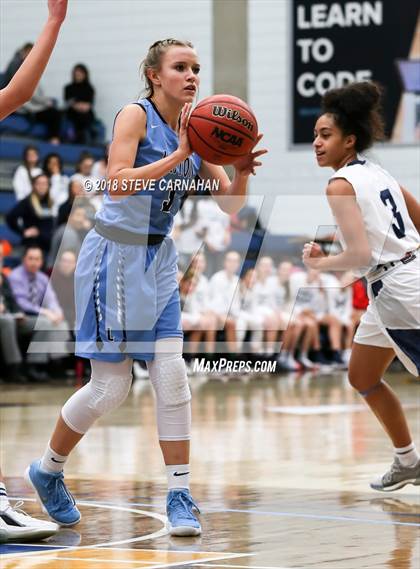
point(223, 297)
point(79, 96)
point(307, 297)
point(292, 324)
point(200, 323)
point(5, 250)
point(71, 234)
point(62, 280)
point(44, 317)
point(217, 237)
point(41, 109)
point(249, 317)
point(264, 292)
point(32, 217)
point(10, 314)
point(59, 182)
point(26, 172)
point(77, 195)
point(189, 230)
point(14, 64)
point(340, 306)
point(90, 184)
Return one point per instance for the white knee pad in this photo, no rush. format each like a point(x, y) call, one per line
point(168, 376)
point(108, 388)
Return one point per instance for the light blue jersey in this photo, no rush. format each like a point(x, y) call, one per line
point(152, 210)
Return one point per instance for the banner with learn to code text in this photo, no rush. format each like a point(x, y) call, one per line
point(335, 43)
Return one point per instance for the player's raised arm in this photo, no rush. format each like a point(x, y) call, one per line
point(24, 82)
point(347, 213)
point(129, 130)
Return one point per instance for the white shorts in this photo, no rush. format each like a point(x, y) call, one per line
point(392, 319)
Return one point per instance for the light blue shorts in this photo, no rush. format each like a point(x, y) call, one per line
point(127, 297)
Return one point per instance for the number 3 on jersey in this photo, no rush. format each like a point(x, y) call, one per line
point(398, 226)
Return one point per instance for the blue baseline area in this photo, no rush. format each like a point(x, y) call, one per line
point(6, 548)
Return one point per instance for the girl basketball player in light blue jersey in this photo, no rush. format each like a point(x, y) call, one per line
point(126, 280)
point(379, 224)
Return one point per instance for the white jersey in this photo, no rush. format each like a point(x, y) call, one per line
point(264, 293)
point(223, 296)
point(389, 228)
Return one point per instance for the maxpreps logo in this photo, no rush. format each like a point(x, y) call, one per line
point(235, 116)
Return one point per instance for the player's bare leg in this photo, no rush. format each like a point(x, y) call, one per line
point(367, 366)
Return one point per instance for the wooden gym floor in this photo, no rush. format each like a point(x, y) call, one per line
point(280, 469)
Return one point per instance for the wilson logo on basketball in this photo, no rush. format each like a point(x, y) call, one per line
point(220, 111)
point(227, 137)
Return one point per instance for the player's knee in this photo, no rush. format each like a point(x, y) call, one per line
point(114, 394)
point(168, 376)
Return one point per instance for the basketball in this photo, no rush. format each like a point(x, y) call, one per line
point(222, 128)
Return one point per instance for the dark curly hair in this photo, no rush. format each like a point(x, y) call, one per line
point(357, 110)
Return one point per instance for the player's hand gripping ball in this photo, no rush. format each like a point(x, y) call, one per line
point(222, 128)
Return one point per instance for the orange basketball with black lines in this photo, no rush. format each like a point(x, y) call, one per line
point(222, 128)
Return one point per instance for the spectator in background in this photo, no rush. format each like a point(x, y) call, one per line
point(200, 323)
point(62, 280)
point(14, 64)
point(26, 172)
point(292, 324)
point(5, 250)
point(189, 230)
point(264, 293)
point(32, 217)
point(59, 182)
point(223, 297)
point(41, 109)
point(340, 301)
point(10, 314)
point(217, 237)
point(77, 195)
point(79, 96)
point(249, 316)
point(44, 316)
point(71, 234)
point(85, 176)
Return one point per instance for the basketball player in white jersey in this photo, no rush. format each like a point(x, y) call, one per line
point(16, 525)
point(379, 223)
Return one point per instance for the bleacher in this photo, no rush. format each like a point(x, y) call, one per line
point(12, 145)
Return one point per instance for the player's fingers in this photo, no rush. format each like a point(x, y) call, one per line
point(259, 153)
point(259, 137)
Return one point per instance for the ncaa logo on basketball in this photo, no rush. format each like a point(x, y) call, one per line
point(220, 111)
point(227, 137)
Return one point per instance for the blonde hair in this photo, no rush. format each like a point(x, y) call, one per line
point(154, 56)
point(34, 198)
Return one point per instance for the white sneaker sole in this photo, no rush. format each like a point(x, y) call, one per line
point(183, 531)
point(44, 509)
point(25, 534)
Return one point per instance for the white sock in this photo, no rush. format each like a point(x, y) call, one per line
point(4, 500)
point(178, 476)
point(408, 456)
point(52, 461)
